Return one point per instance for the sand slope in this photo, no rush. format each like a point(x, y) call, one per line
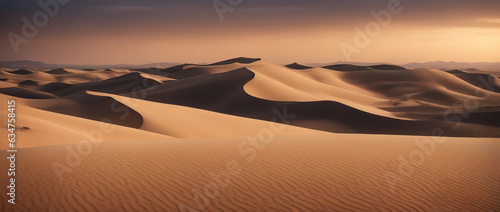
point(35, 128)
point(479, 79)
point(184, 122)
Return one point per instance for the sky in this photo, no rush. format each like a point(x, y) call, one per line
point(281, 31)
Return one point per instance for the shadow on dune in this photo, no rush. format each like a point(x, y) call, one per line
point(98, 108)
point(122, 84)
point(243, 60)
point(348, 67)
point(21, 72)
point(187, 70)
point(58, 71)
point(478, 80)
point(28, 83)
point(387, 67)
point(26, 93)
point(297, 66)
point(224, 92)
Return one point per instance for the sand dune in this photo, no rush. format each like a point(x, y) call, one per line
point(22, 72)
point(382, 101)
point(121, 84)
point(58, 71)
point(348, 67)
point(185, 122)
point(297, 66)
point(26, 93)
point(387, 67)
point(412, 81)
point(38, 128)
point(422, 89)
point(28, 83)
point(92, 107)
point(286, 85)
point(4, 84)
point(250, 135)
point(72, 77)
point(54, 87)
point(493, 83)
point(28, 75)
point(229, 97)
point(241, 60)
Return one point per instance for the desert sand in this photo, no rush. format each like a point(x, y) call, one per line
point(246, 134)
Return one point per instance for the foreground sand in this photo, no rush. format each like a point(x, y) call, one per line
point(290, 173)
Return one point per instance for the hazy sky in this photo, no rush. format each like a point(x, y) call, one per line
point(282, 31)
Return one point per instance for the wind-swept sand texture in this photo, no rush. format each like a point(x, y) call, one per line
point(276, 135)
point(293, 173)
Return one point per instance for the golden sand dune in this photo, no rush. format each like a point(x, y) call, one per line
point(418, 81)
point(297, 66)
point(235, 92)
point(68, 76)
point(184, 122)
point(27, 93)
point(410, 102)
point(4, 84)
point(365, 90)
point(59, 71)
point(92, 107)
point(37, 128)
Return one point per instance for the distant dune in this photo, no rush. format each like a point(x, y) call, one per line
point(297, 66)
point(478, 79)
point(348, 67)
point(337, 137)
point(21, 72)
point(58, 71)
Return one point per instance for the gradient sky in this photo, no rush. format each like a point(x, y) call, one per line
point(282, 31)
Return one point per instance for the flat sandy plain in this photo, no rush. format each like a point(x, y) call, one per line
point(248, 135)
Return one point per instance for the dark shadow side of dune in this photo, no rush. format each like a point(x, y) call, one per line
point(485, 81)
point(387, 67)
point(98, 108)
point(58, 71)
point(242, 60)
point(26, 93)
point(117, 85)
point(350, 67)
point(75, 101)
point(224, 93)
point(21, 72)
point(297, 66)
point(182, 72)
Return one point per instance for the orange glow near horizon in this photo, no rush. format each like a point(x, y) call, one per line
point(392, 45)
point(271, 34)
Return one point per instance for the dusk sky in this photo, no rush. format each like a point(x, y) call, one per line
point(282, 31)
